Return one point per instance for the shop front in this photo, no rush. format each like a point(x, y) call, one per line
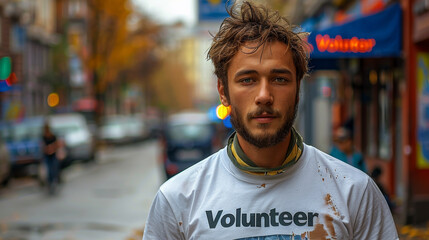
point(357, 73)
point(416, 110)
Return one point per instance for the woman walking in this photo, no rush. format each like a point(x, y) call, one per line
point(50, 148)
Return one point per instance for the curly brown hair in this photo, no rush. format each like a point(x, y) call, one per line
point(251, 23)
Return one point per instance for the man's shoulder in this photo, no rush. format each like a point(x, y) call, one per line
point(335, 166)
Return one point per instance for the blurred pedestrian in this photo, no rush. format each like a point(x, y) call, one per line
point(50, 147)
point(376, 174)
point(266, 183)
point(344, 149)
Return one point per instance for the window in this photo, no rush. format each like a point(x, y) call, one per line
point(378, 115)
point(385, 114)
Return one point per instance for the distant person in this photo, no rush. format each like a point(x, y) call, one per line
point(50, 147)
point(266, 183)
point(344, 149)
point(376, 174)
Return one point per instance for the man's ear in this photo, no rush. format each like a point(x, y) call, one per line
point(221, 91)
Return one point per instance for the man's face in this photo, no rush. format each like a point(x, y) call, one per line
point(345, 145)
point(263, 93)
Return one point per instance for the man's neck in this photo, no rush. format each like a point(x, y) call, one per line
point(269, 157)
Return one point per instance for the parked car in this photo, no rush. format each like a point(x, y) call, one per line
point(24, 142)
point(187, 138)
point(74, 136)
point(120, 129)
point(114, 130)
point(153, 121)
point(136, 127)
point(4, 163)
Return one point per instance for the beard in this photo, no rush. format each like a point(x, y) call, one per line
point(267, 139)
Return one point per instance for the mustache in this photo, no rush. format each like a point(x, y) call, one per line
point(263, 109)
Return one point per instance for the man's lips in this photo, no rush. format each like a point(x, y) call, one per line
point(264, 118)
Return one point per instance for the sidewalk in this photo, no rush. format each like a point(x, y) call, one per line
point(409, 232)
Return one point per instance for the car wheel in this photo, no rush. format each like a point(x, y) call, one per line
point(90, 159)
point(6, 180)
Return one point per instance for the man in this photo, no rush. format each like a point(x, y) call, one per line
point(266, 184)
point(345, 151)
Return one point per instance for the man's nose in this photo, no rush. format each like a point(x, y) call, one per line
point(264, 96)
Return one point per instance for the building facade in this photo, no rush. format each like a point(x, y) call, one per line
point(28, 34)
point(369, 63)
point(415, 105)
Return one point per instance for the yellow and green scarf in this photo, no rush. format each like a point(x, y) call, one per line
point(242, 162)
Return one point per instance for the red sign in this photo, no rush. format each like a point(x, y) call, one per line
point(338, 44)
point(85, 104)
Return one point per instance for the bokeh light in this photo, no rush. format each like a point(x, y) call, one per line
point(223, 111)
point(227, 122)
point(11, 79)
point(53, 99)
point(5, 67)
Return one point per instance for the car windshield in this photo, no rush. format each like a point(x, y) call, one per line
point(187, 132)
point(114, 122)
point(25, 132)
point(65, 129)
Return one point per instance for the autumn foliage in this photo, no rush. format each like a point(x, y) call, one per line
point(119, 38)
point(126, 46)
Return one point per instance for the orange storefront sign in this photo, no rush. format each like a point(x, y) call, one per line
point(339, 44)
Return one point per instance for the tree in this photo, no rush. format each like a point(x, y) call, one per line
point(172, 91)
point(117, 42)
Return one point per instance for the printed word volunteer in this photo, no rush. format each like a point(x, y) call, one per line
point(272, 218)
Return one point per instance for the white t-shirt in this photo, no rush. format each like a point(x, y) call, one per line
point(319, 197)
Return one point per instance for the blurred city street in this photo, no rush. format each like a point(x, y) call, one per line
point(122, 93)
point(105, 200)
point(108, 199)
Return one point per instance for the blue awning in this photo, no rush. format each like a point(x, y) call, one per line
point(209, 10)
point(377, 35)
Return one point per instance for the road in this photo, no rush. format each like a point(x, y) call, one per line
point(109, 199)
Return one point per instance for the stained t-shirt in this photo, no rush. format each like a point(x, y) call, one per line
point(319, 197)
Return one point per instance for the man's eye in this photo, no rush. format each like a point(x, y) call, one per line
point(280, 80)
point(246, 80)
